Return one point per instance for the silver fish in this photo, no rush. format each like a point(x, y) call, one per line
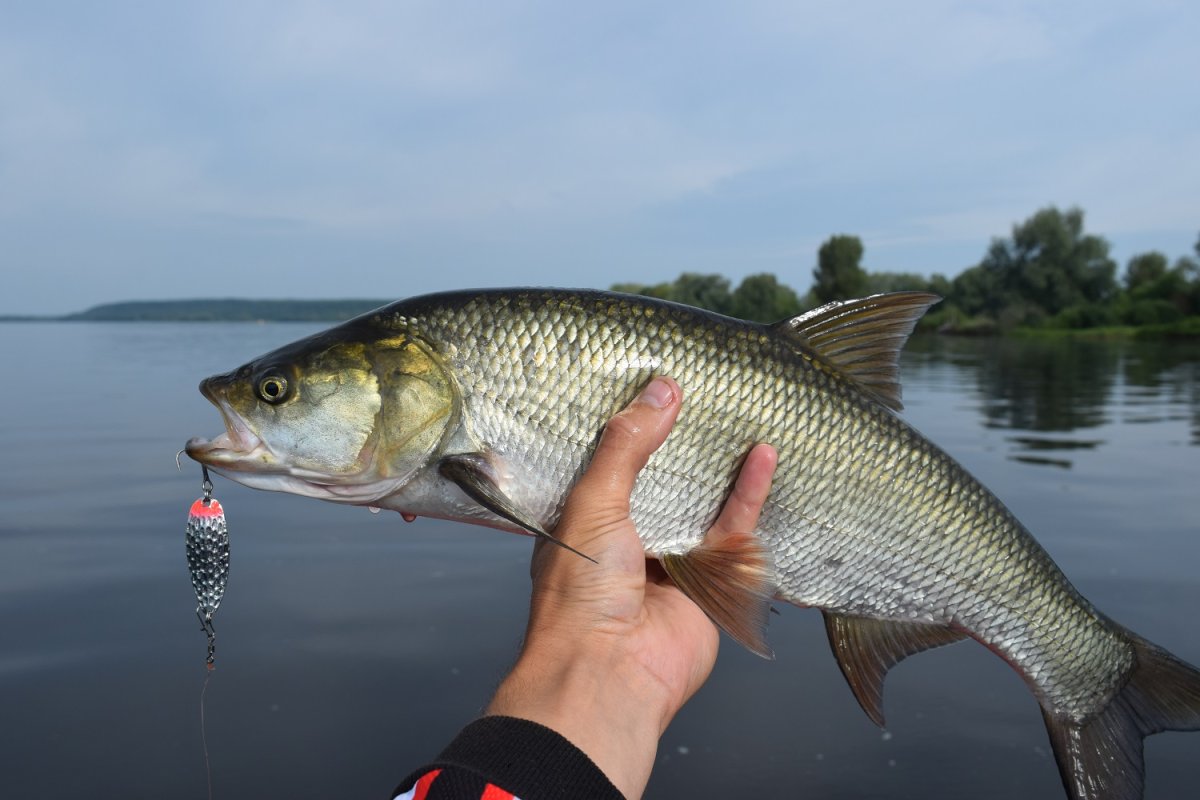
point(485, 407)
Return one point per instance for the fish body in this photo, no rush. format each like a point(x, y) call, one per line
point(486, 406)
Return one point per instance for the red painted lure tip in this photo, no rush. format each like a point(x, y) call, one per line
point(213, 509)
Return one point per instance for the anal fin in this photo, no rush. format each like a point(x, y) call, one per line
point(866, 648)
point(733, 581)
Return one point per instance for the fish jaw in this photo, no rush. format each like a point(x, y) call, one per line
point(237, 448)
point(257, 468)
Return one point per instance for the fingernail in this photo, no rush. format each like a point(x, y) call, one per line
point(658, 393)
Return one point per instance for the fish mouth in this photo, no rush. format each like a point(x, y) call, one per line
point(237, 448)
point(243, 457)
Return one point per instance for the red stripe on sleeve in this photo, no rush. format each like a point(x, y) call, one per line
point(421, 789)
point(496, 793)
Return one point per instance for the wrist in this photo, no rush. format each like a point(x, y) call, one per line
point(602, 703)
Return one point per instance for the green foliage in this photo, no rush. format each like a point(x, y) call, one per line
point(1049, 273)
point(1149, 311)
point(1144, 268)
point(1190, 269)
point(839, 274)
point(1186, 328)
point(762, 298)
point(1085, 315)
point(1153, 287)
point(880, 282)
point(977, 292)
point(703, 291)
point(1047, 266)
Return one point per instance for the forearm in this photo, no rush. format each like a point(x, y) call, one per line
point(601, 702)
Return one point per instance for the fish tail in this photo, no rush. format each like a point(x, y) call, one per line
point(1101, 759)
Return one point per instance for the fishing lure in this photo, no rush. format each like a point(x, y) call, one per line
point(208, 559)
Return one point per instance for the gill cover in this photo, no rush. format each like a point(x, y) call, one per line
point(418, 401)
point(314, 413)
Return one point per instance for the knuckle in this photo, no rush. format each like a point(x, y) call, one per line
point(622, 429)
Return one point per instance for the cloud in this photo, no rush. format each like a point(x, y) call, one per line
point(731, 136)
point(440, 50)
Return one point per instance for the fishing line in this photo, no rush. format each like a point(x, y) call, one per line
point(203, 733)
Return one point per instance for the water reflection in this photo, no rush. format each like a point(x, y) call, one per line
point(1046, 388)
point(370, 642)
point(1030, 448)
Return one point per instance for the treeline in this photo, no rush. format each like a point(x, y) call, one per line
point(1050, 273)
point(227, 310)
point(761, 298)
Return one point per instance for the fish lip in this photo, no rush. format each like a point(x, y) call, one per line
point(238, 445)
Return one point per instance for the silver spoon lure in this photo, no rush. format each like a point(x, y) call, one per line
point(208, 559)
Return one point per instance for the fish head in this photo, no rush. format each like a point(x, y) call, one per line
point(343, 415)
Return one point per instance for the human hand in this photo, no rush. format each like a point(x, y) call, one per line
point(613, 650)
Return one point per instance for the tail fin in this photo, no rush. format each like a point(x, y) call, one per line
point(1102, 759)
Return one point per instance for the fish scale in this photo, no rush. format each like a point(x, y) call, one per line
point(867, 520)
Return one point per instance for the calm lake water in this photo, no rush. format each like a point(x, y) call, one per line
point(351, 646)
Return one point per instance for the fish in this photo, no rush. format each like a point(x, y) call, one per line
point(485, 406)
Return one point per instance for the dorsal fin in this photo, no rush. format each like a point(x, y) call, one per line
point(863, 338)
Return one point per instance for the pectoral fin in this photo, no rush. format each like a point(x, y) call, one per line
point(867, 648)
point(473, 474)
point(732, 581)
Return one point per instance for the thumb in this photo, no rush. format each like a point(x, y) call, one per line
point(599, 503)
point(628, 441)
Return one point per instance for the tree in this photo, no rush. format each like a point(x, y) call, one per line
point(762, 298)
point(839, 274)
point(1048, 265)
point(1144, 268)
point(976, 291)
point(702, 291)
point(880, 282)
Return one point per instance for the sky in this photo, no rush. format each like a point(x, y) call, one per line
point(387, 149)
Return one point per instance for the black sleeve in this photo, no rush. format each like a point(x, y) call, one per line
point(502, 757)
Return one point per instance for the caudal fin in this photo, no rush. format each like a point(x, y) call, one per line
point(1102, 759)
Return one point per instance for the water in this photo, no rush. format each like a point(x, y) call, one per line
point(351, 646)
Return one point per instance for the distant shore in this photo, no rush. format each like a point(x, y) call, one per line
point(238, 310)
point(213, 310)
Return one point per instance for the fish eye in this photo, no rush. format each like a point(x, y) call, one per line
point(273, 388)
